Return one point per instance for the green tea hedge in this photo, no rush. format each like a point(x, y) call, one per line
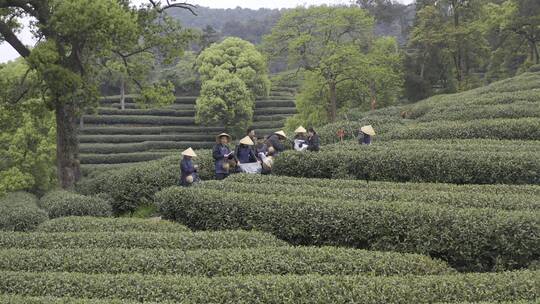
point(365, 193)
point(136, 185)
point(108, 130)
point(18, 299)
point(96, 224)
point(143, 146)
point(64, 203)
point(153, 112)
point(520, 109)
point(143, 137)
point(523, 128)
point(222, 262)
point(141, 240)
point(468, 239)
point(380, 163)
point(141, 119)
point(506, 286)
point(19, 212)
point(122, 157)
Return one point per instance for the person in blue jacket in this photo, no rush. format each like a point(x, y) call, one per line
point(276, 140)
point(222, 154)
point(244, 152)
point(188, 171)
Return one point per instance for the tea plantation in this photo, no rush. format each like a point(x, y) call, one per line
point(115, 136)
point(443, 207)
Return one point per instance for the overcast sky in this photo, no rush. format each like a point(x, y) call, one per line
point(8, 53)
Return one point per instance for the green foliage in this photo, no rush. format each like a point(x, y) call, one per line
point(225, 100)
point(19, 212)
point(423, 164)
point(345, 65)
point(135, 186)
point(379, 191)
point(138, 240)
point(222, 262)
point(61, 203)
point(183, 74)
point(17, 299)
point(278, 289)
point(238, 57)
point(27, 137)
point(96, 224)
point(468, 239)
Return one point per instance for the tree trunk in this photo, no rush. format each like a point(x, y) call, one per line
point(67, 145)
point(373, 94)
point(332, 107)
point(122, 94)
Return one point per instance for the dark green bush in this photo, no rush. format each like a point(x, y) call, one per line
point(19, 212)
point(153, 112)
point(468, 239)
point(135, 186)
point(274, 111)
point(141, 138)
point(64, 203)
point(141, 240)
point(150, 130)
point(222, 262)
point(141, 119)
point(17, 299)
point(122, 157)
point(143, 146)
point(367, 192)
point(523, 128)
point(95, 224)
point(261, 104)
point(512, 110)
point(506, 286)
point(382, 163)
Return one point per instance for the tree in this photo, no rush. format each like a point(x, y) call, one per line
point(335, 44)
point(73, 36)
point(27, 135)
point(238, 57)
point(225, 99)
point(232, 73)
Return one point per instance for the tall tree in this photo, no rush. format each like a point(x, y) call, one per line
point(73, 35)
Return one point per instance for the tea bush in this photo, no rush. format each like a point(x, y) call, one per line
point(140, 240)
point(505, 286)
point(19, 212)
point(468, 239)
point(94, 224)
point(64, 203)
point(222, 262)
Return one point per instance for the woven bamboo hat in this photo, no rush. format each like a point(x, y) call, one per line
point(229, 138)
point(189, 152)
point(247, 141)
point(368, 130)
point(281, 133)
point(300, 130)
point(189, 179)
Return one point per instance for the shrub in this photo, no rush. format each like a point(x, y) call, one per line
point(122, 157)
point(142, 240)
point(512, 110)
point(381, 163)
point(153, 112)
point(506, 286)
point(94, 224)
point(135, 186)
point(148, 130)
point(524, 128)
point(18, 299)
point(222, 262)
point(468, 239)
point(366, 192)
point(64, 203)
point(142, 146)
point(141, 119)
point(19, 212)
point(141, 138)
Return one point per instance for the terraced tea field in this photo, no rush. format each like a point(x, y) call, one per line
point(115, 136)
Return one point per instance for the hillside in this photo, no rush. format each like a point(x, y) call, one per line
point(115, 136)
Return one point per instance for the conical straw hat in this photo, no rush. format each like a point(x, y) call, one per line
point(247, 141)
point(368, 130)
point(189, 179)
point(281, 133)
point(189, 152)
point(300, 130)
point(223, 134)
